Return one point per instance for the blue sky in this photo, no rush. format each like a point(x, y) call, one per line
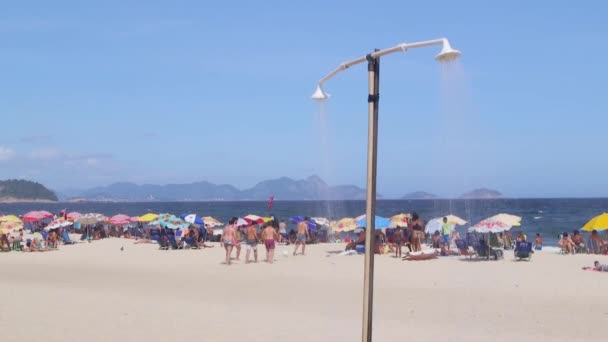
point(180, 91)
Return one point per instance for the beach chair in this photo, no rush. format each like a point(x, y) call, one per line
point(173, 242)
point(66, 238)
point(464, 249)
point(523, 250)
point(17, 246)
point(485, 251)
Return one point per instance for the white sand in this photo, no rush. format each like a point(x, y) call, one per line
point(95, 292)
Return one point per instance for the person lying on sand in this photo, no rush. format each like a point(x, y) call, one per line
point(597, 267)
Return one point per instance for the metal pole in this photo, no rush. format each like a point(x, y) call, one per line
point(373, 68)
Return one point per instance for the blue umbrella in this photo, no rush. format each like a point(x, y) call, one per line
point(380, 222)
point(298, 219)
point(192, 218)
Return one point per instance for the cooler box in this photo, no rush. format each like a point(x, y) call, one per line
point(360, 249)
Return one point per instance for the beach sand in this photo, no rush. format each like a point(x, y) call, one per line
point(96, 292)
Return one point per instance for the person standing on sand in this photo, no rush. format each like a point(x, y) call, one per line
point(269, 235)
point(228, 238)
point(446, 229)
point(252, 243)
point(301, 236)
point(417, 233)
point(283, 230)
point(398, 241)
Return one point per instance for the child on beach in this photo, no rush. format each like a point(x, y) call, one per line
point(538, 242)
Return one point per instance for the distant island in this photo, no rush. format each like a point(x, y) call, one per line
point(482, 193)
point(418, 195)
point(284, 188)
point(18, 190)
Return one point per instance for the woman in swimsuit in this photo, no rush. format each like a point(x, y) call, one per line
point(418, 233)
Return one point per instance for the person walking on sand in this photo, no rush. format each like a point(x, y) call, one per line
point(252, 242)
point(269, 235)
point(228, 238)
point(301, 236)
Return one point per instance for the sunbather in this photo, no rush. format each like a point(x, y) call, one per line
point(597, 267)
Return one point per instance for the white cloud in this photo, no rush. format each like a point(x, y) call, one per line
point(45, 153)
point(6, 153)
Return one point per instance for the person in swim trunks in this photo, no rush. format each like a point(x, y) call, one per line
point(269, 235)
point(252, 242)
point(228, 238)
point(301, 236)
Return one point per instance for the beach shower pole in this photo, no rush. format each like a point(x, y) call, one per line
point(447, 54)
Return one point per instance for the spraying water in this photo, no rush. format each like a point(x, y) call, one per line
point(325, 150)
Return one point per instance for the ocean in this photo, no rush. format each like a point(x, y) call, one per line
point(549, 217)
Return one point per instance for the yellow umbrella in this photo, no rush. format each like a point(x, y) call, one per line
point(148, 217)
point(267, 219)
point(453, 219)
point(211, 222)
point(344, 225)
point(10, 223)
point(400, 220)
point(507, 219)
point(599, 222)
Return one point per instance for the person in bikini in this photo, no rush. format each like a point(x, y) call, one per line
point(251, 239)
point(228, 238)
point(269, 235)
point(301, 236)
point(398, 241)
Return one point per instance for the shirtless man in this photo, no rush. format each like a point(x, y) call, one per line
point(301, 236)
point(269, 235)
point(251, 240)
point(228, 238)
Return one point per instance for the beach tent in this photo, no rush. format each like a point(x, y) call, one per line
point(599, 222)
point(379, 222)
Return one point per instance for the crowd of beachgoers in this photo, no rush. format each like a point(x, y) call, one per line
point(406, 236)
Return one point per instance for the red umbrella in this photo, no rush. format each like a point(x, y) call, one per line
point(119, 219)
point(35, 216)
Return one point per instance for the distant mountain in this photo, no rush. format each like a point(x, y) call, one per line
point(416, 195)
point(17, 190)
point(482, 194)
point(284, 188)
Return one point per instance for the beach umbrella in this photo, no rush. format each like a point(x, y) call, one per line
point(507, 219)
point(380, 222)
point(73, 216)
point(243, 222)
point(34, 216)
point(147, 217)
point(211, 222)
point(346, 224)
point(298, 219)
point(10, 223)
point(322, 221)
point(490, 226)
point(255, 218)
point(435, 225)
point(400, 220)
point(58, 224)
point(119, 219)
point(135, 219)
point(90, 219)
point(599, 222)
point(192, 218)
point(455, 220)
point(46, 214)
point(170, 221)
